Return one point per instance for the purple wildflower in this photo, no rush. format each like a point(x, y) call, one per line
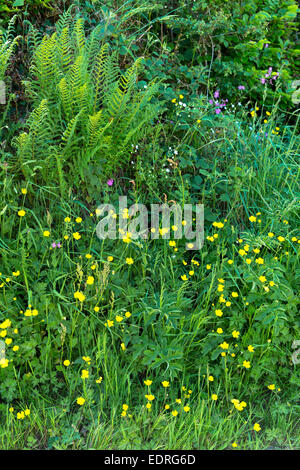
point(110, 182)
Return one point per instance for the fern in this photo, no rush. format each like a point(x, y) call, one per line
point(7, 45)
point(119, 97)
point(99, 74)
point(79, 35)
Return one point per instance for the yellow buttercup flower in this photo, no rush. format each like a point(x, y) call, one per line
point(84, 374)
point(90, 280)
point(76, 236)
point(3, 363)
point(150, 397)
point(80, 296)
point(87, 359)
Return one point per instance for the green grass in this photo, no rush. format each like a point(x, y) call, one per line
point(205, 428)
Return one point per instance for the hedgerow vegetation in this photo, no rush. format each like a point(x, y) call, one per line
point(142, 343)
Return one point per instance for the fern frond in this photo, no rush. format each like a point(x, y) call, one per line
point(65, 97)
point(67, 136)
point(7, 45)
point(34, 37)
point(79, 35)
point(93, 127)
point(119, 97)
point(99, 73)
point(44, 64)
point(65, 20)
point(64, 49)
